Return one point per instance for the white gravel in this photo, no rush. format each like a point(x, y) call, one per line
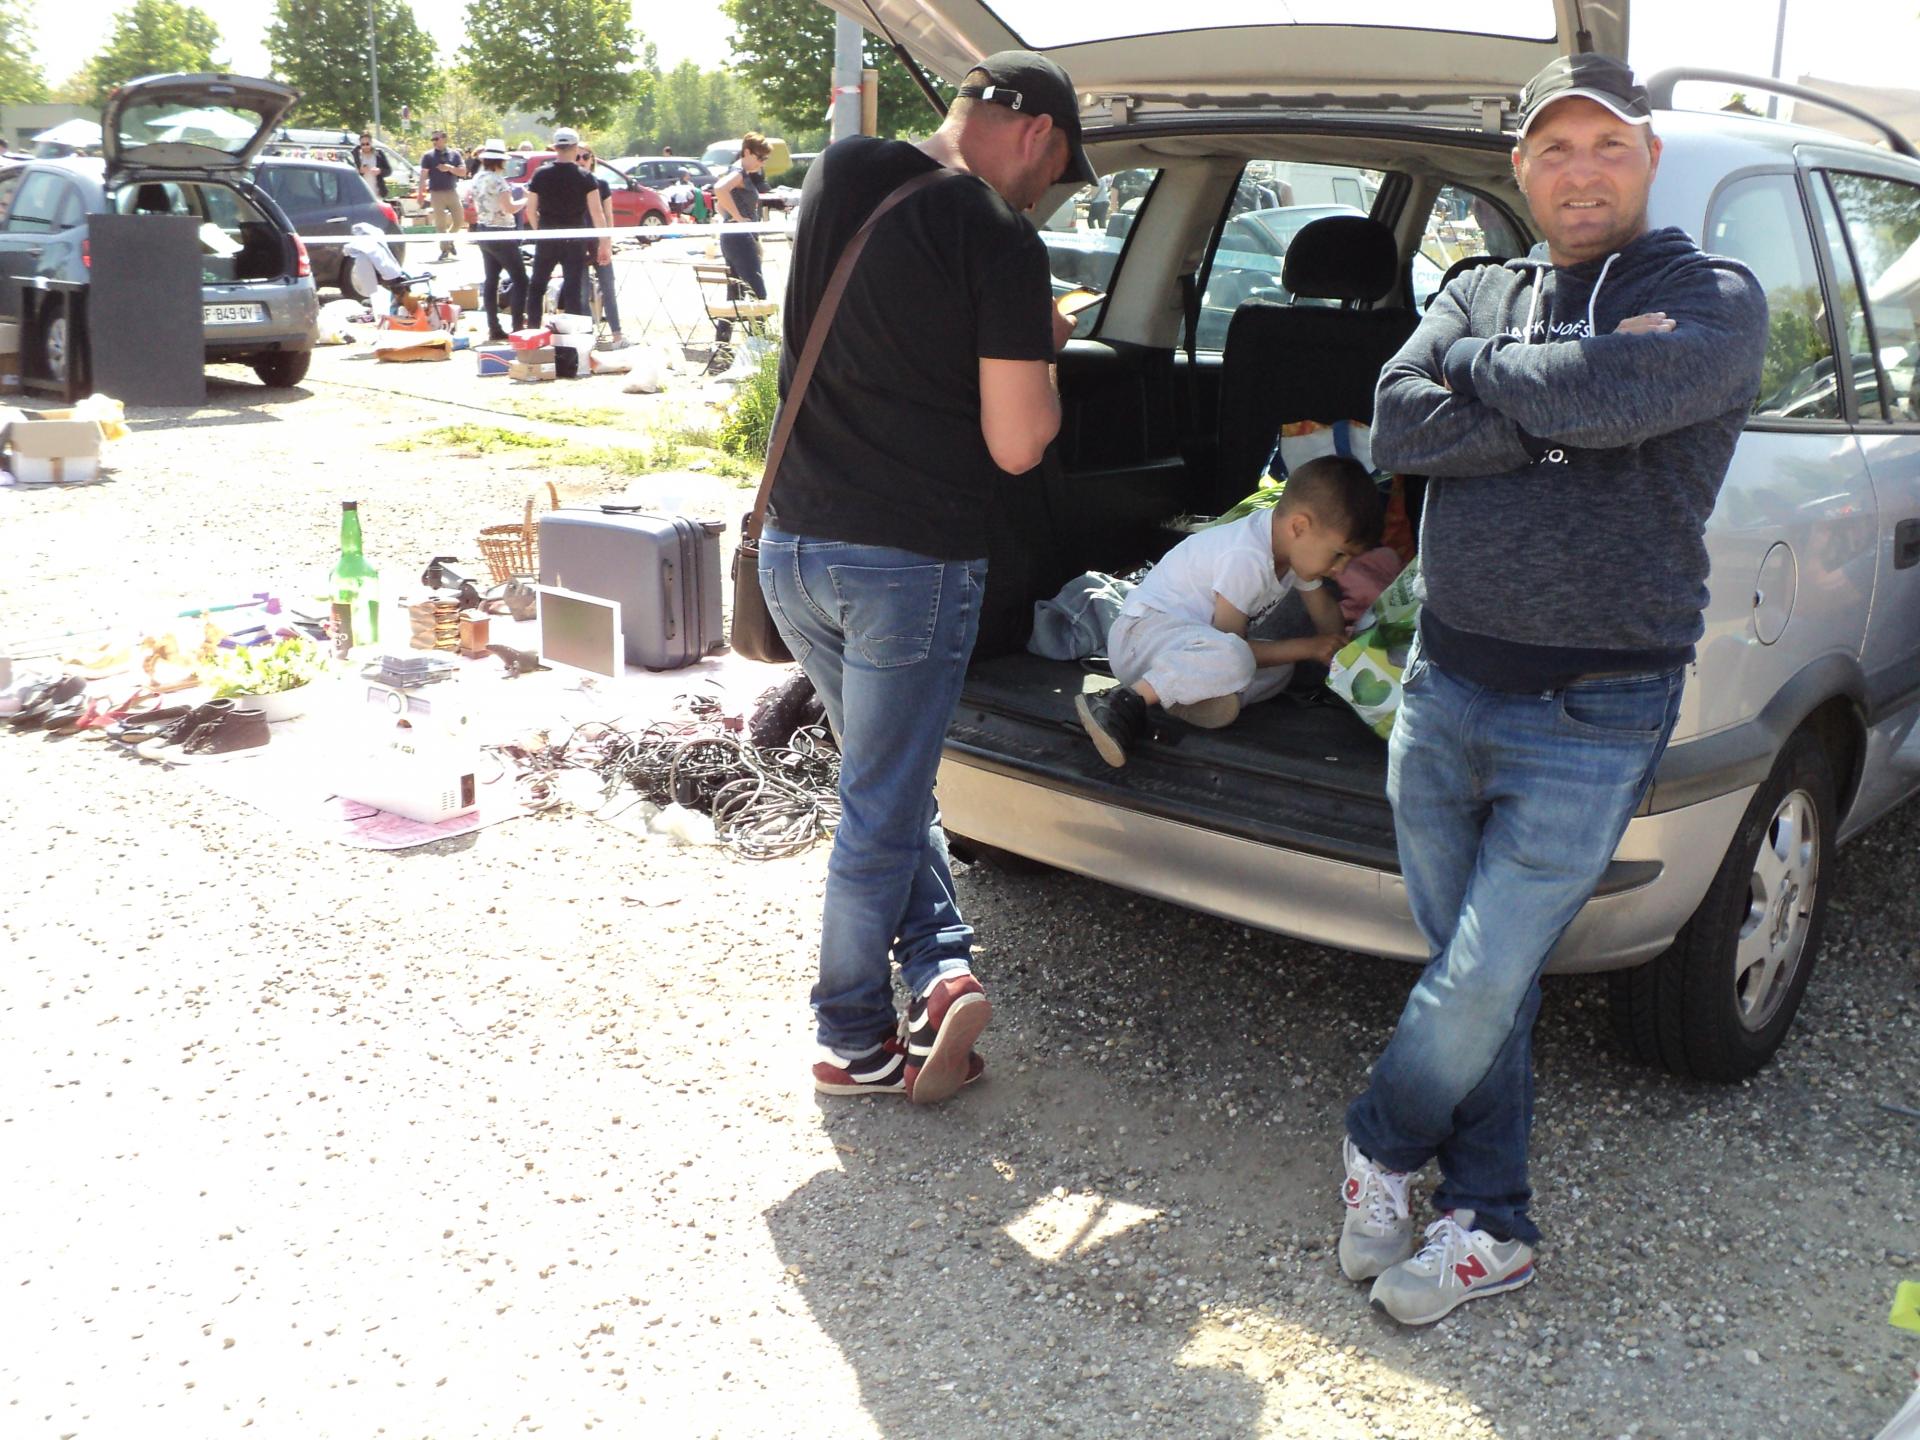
point(513, 1135)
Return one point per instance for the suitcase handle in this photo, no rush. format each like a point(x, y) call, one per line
point(666, 595)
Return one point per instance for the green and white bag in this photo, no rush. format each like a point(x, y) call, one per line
point(1366, 673)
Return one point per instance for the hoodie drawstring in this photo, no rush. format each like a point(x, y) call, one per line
point(1533, 307)
point(1595, 296)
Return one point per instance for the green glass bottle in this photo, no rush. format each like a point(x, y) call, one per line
point(356, 587)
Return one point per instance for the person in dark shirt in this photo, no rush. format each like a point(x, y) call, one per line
point(372, 163)
point(603, 266)
point(737, 197)
point(933, 384)
point(441, 171)
point(562, 196)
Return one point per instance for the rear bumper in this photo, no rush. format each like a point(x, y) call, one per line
point(1656, 881)
point(292, 323)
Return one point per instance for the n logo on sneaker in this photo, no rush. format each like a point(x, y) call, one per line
point(1468, 1271)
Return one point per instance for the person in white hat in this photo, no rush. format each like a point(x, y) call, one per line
point(496, 211)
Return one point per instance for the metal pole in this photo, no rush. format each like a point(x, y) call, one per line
point(846, 78)
point(1779, 49)
point(373, 68)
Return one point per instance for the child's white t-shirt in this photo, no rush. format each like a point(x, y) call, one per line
point(1233, 561)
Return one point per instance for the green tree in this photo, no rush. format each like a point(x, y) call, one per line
point(784, 49)
point(693, 107)
point(154, 37)
point(567, 60)
point(321, 46)
point(21, 79)
point(467, 116)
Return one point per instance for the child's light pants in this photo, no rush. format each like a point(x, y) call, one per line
point(1187, 662)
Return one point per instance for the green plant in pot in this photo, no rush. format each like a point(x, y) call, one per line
point(267, 677)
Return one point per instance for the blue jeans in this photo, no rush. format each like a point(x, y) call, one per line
point(1507, 809)
point(885, 636)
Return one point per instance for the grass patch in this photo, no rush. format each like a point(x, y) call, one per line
point(559, 412)
point(748, 425)
point(679, 448)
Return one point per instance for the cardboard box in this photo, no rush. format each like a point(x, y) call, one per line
point(541, 356)
point(530, 339)
point(520, 370)
point(467, 297)
point(53, 452)
point(493, 359)
point(9, 372)
point(565, 323)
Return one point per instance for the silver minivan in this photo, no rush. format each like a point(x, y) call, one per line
point(1798, 724)
point(173, 145)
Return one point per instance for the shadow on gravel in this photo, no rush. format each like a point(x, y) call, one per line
point(1129, 1227)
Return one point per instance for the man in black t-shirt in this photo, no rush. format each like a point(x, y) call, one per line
point(562, 196)
point(933, 385)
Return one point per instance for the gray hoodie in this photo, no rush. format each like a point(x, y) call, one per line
point(1572, 469)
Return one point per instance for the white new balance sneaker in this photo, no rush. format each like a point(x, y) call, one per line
point(1378, 1232)
point(1457, 1264)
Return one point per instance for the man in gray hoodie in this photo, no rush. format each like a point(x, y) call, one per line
point(1575, 411)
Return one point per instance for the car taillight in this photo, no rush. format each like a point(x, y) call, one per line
point(86, 254)
point(387, 210)
point(304, 266)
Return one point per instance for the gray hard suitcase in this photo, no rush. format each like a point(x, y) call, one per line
point(663, 569)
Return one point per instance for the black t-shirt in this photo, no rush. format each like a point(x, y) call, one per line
point(563, 189)
point(887, 448)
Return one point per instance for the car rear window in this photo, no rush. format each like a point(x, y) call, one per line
point(1085, 234)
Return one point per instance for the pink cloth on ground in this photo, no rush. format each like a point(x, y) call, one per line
point(1364, 578)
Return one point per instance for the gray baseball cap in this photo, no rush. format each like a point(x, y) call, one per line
point(1599, 78)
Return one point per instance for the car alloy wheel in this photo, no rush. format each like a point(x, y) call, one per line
point(1781, 895)
point(56, 345)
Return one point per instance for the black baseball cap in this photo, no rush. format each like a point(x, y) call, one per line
point(1033, 85)
point(1599, 78)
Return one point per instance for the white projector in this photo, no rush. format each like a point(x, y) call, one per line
point(412, 773)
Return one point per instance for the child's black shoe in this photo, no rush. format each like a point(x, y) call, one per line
point(1114, 718)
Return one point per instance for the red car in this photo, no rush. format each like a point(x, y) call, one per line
point(633, 203)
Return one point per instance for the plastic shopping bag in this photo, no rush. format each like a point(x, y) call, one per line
point(1366, 673)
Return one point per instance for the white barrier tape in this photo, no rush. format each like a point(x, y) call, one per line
point(528, 237)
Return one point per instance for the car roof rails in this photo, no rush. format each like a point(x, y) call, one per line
point(1660, 89)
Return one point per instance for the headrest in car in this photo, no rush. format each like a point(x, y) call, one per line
point(1343, 257)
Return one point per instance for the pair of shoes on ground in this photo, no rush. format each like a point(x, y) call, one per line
point(1459, 1262)
point(618, 342)
point(35, 704)
point(189, 735)
point(931, 1057)
point(1115, 719)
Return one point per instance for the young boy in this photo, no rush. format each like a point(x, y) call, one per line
point(1180, 640)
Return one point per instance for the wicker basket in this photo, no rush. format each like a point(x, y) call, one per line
point(514, 550)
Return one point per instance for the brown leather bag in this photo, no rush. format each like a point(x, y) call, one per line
point(754, 634)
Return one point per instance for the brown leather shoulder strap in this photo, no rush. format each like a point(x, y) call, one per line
point(817, 338)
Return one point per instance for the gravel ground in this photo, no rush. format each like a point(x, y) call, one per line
point(513, 1134)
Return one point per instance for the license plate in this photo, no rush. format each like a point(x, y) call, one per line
point(235, 314)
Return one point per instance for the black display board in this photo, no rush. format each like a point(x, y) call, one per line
point(144, 318)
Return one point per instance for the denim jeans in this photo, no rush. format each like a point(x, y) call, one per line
point(742, 254)
point(885, 636)
point(1507, 809)
point(495, 258)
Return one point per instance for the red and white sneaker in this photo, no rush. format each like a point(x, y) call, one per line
point(1377, 1232)
point(879, 1071)
point(941, 1029)
point(1457, 1264)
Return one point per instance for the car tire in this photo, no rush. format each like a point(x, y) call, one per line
point(344, 283)
point(1007, 862)
point(1718, 1003)
point(283, 368)
point(63, 345)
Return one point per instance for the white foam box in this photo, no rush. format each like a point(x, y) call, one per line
point(567, 323)
point(52, 452)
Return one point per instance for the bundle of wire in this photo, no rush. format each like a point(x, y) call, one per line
point(766, 801)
